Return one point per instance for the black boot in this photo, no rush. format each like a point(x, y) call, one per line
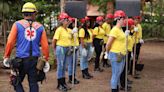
point(60, 86)
point(75, 80)
point(118, 88)
point(98, 69)
point(85, 76)
point(114, 90)
point(105, 63)
point(64, 83)
point(87, 72)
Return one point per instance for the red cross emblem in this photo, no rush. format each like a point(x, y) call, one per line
point(30, 34)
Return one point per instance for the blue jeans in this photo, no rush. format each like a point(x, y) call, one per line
point(83, 59)
point(61, 55)
point(29, 68)
point(69, 60)
point(117, 68)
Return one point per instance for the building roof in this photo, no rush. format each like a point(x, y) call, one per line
point(93, 11)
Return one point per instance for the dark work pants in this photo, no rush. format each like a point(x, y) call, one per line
point(138, 46)
point(122, 77)
point(28, 67)
point(98, 49)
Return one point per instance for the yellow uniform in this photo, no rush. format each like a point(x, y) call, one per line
point(138, 34)
point(119, 44)
point(82, 34)
point(130, 43)
point(75, 41)
point(63, 36)
point(107, 29)
point(99, 32)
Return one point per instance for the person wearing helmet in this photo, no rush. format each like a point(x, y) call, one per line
point(107, 27)
point(85, 36)
point(130, 22)
point(138, 36)
point(98, 35)
point(27, 34)
point(116, 47)
point(75, 45)
point(61, 43)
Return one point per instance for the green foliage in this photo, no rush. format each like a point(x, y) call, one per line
point(101, 3)
point(155, 19)
point(12, 8)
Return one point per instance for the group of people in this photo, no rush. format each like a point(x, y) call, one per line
point(72, 40)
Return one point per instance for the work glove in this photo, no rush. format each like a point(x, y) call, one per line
point(74, 30)
point(13, 72)
point(106, 55)
point(84, 52)
point(141, 41)
point(127, 32)
point(135, 29)
point(46, 67)
point(131, 54)
point(6, 62)
point(92, 49)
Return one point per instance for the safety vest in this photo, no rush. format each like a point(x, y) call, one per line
point(25, 35)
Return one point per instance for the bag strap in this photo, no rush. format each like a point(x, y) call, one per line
point(30, 51)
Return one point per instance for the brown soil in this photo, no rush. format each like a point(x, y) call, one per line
point(152, 77)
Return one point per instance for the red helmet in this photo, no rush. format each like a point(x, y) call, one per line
point(119, 13)
point(99, 18)
point(63, 15)
point(87, 18)
point(137, 17)
point(130, 22)
point(71, 19)
point(109, 16)
point(83, 20)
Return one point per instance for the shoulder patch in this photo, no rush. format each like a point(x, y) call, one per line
point(36, 25)
point(24, 23)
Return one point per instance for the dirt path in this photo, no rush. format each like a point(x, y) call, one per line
point(152, 77)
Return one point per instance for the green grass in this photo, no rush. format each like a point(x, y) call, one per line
point(51, 55)
point(1, 55)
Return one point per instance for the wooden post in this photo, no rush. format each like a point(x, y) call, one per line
point(62, 5)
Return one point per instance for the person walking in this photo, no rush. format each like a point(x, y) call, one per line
point(27, 34)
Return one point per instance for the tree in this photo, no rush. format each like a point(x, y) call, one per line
point(6, 12)
point(103, 4)
point(10, 11)
point(154, 16)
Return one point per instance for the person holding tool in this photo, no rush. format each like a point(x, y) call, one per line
point(62, 43)
point(107, 27)
point(138, 41)
point(98, 35)
point(27, 34)
point(116, 47)
point(130, 47)
point(75, 44)
point(85, 36)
